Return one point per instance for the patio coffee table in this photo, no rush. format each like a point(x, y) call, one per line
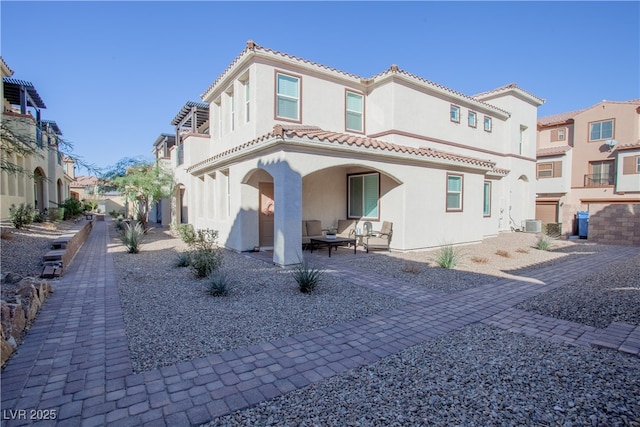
point(338, 241)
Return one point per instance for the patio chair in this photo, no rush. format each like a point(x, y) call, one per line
point(379, 239)
point(311, 229)
point(346, 228)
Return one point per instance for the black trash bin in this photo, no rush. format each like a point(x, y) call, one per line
point(583, 224)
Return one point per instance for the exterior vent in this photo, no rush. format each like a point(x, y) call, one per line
point(533, 226)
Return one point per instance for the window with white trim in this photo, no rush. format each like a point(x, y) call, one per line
point(638, 164)
point(601, 130)
point(354, 112)
point(545, 170)
point(287, 97)
point(232, 112)
point(247, 105)
point(454, 114)
point(561, 134)
point(454, 193)
point(364, 196)
point(472, 119)
point(486, 209)
point(487, 124)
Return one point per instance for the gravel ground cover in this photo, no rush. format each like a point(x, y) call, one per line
point(612, 295)
point(505, 255)
point(169, 317)
point(476, 376)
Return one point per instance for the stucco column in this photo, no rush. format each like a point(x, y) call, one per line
point(287, 188)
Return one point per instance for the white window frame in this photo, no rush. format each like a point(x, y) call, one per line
point(600, 136)
point(486, 205)
point(488, 125)
point(472, 123)
point(247, 104)
point(561, 134)
point(288, 97)
point(352, 215)
point(638, 164)
point(543, 173)
point(454, 113)
point(354, 112)
point(460, 205)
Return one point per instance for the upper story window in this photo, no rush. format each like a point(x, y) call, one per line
point(561, 134)
point(218, 111)
point(455, 114)
point(247, 105)
point(601, 130)
point(545, 170)
point(287, 97)
point(454, 193)
point(232, 110)
point(523, 139)
point(472, 119)
point(638, 164)
point(487, 124)
point(354, 112)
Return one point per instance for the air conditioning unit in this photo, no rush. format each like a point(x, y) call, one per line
point(533, 226)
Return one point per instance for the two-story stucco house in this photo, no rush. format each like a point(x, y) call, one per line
point(589, 161)
point(49, 172)
point(289, 140)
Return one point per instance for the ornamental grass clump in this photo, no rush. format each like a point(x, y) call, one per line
point(543, 243)
point(448, 256)
point(205, 256)
point(307, 276)
point(131, 236)
point(218, 284)
point(182, 260)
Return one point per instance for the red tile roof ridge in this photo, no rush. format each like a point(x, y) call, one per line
point(315, 132)
point(512, 85)
point(563, 117)
point(628, 146)
point(395, 69)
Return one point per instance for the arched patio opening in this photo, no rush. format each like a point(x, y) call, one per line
point(39, 193)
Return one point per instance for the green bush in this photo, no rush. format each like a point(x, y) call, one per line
point(21, 215)
point(72, 208)
point(132, 236)
point(205, 256)
point(56, 214)
point(219, 284)
point(38, 217)
point(543, 243)
point(187, 233)
point(307, 276)
point(89, 205)
point(448, 256)
point(182, 260)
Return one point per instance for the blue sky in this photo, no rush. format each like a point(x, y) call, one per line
point(114, 74)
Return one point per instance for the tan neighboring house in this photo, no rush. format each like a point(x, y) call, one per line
point(51, 172)
point(287, 139)
point(589, 161)
point(88, 188)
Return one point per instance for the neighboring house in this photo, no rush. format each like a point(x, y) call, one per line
point(50, 172)
point(89, 188)
point(162, 147)
point(291, 140)
point(589, 161)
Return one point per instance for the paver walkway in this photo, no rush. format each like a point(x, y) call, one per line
point(75, 359)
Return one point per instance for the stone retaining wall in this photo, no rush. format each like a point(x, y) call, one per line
point(64, 250)
point(614, 223)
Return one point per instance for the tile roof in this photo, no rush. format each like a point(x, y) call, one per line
point(4, 65)
point(629, 146)
point(252, 47)
point(552, 151)
point(564, 117)
point(507, 87)
point(338, 139)
point(84, 181)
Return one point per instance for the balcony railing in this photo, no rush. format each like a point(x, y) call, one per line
point(599, 180)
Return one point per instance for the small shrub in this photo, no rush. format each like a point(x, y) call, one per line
point(187, 233)
point(56, 214)
point(522, 251)
point(38, 217)
point(411, 267)
point(132, 236)
point(448, 256)
point(89, 205)
point(543, 243)
point(182, 260)
point(503, 254)
point(307, 277)
point(21, 215)
point(205, 256)
point(218, 284)
point(480, 260)
point(72, 208)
